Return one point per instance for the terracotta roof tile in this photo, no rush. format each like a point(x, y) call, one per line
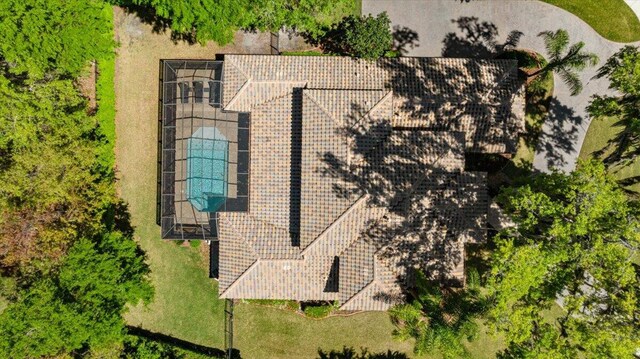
point(357, 172)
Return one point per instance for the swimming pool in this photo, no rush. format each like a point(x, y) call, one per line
point(207, 161)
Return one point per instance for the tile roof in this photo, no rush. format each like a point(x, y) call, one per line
point(357, 173)
point(482, 98)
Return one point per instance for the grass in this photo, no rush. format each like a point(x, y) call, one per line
point(600, 132)
point(106, 100)
point(538, 94)
point(186, 304)
point(612, 19)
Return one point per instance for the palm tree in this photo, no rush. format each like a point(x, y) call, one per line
point(439, 318)
point(565, 60)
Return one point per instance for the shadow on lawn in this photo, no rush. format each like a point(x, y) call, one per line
point(350, 353)
point(179, 343)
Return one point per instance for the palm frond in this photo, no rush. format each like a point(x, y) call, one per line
point(571, 79)
point(578, 59)
point(555, 43)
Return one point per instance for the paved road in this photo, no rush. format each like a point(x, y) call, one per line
point(441, 33)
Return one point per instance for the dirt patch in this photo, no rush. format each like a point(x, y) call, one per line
point(87, 85)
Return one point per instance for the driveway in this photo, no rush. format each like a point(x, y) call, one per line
point(478, 28)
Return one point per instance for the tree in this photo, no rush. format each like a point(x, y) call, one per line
point(81, 306)
point(574, 239)
point(59, 36)
point(200, 21)
point(439, 318)
point(565, 60)
point(623, 71)
point(366, 37)
point(53, 188)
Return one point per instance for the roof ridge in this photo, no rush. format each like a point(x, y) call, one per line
point(375, 107)
point(307, 94)
point(335, 223)
point(235, 64)
point(253, 244)
point(248, 246)
point(236, 230)
point(235, 282)
point(235, 98)
point(502, 78)
point(372, 282)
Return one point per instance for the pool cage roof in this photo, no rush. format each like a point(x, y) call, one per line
point(197, 175)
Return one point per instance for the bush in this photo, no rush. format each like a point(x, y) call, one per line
point(365, 37)
point(314, 310)
point(277, 303)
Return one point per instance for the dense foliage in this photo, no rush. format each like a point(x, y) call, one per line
point(365, 37)
point(566, 61)
point(440, 318)
point(60, 36)
point(573, 242)
point(218, 20)
point(623, 72)
point(52, 190)
point(68, 262)
point(81, 306)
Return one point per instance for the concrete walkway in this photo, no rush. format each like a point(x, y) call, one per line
point(477, 28)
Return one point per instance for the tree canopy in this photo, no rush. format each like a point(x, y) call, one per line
point(66, 248)
point(81, 306)
point(439, 318)
point(573, 243)
point(61, 36)
point(365, 37)
point(218, 20)
point(53, 189)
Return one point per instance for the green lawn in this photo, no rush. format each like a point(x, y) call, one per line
point(600, 132)
point(612, 19)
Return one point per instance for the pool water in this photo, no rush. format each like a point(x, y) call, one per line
point(207, 160)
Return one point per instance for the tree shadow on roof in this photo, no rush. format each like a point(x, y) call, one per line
point(350, 353)
point(416, 176)
point(477, 39)
point(470, 95)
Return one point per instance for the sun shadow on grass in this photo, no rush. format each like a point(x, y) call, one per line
point(350, 353)
point(179, 343)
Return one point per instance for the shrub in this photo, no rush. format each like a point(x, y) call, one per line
point(365, 37)
point(318, 310)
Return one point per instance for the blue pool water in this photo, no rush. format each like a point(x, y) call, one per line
point(207, 160)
